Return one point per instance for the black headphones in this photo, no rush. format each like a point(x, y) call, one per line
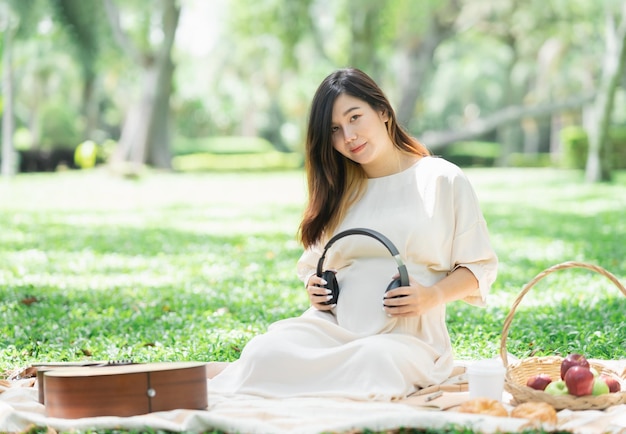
point(329, 275)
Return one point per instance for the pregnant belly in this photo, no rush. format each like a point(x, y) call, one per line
point(362, 287)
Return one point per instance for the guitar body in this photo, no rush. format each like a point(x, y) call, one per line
point(41, 368)
point(125, 390)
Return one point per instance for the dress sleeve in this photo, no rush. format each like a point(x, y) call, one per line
point(307, 264)
point(471, 247)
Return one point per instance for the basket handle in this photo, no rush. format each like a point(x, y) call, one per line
point(537, 278)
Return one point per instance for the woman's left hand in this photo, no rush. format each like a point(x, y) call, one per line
point(411, 300)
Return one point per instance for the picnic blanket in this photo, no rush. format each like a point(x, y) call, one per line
point(20, 410)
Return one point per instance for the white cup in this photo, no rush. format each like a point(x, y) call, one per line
point(486, 379)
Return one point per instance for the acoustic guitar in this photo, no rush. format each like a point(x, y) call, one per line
point(122, 390)
point(39, 369)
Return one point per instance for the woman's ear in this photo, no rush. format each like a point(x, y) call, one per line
point(384, 115)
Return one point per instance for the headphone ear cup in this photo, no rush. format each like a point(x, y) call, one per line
point(331, 279)
point(396, 283)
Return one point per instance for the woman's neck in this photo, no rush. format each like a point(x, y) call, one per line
point(396, 162)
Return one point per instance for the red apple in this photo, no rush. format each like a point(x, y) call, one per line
point(573, 359)
point(539, 381)
point(613, 384)
point(579, 381)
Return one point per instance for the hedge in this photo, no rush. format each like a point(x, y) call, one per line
point(575, 146)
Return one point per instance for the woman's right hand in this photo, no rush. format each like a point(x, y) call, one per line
point(318, 295)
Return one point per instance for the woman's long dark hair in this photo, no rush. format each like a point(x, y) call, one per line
point(334, 181)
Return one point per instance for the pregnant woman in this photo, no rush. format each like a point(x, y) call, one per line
point(418, 242)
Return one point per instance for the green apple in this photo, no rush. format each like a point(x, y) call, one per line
point(599, 387)
point(557, 388)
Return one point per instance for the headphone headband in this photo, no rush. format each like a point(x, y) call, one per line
point(404, 275)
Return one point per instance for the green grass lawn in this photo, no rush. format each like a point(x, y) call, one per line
point(191, 266)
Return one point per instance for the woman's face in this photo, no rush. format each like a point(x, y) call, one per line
point(359, 132)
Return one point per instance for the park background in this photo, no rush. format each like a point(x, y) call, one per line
point(152, 164)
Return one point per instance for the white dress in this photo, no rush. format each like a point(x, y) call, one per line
point(431, 214)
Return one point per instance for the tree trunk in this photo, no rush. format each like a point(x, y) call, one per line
point(364, 21)
point(8, 154)
point(159, 154)
point(420, 58)
point(510, 133)
point(133, 142)
point(90, 106)
point(145, 134)
point(418, 63)
point(158, 146)
point(440, 139)
point(598, 158)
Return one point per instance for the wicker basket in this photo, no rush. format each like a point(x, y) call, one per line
point(518, 372)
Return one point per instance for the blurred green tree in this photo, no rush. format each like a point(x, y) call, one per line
point(510, 72)
point(417, 31)
point(15, 19)
point(518, 73)
point(145, 135)
point(83, 23)
point(613, 64)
